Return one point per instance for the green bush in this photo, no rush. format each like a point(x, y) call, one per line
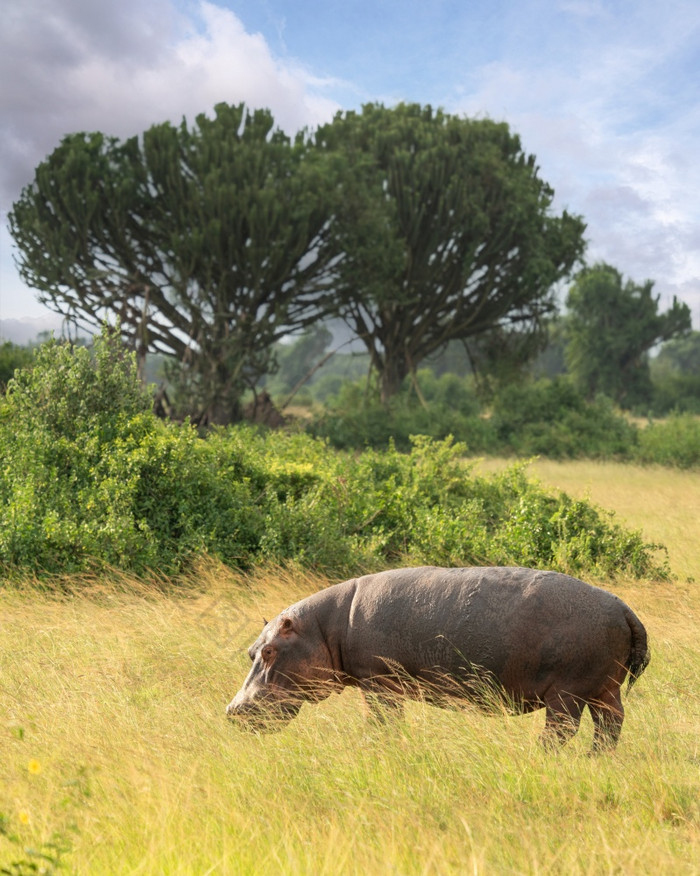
point(12, 357)
point(547, 417)
point(91, 479)
point(551, 418)
point(388, 508)
point(354, 418)
point(674, 442)
point(573, 535)
point(676, 392)
point(675, 374)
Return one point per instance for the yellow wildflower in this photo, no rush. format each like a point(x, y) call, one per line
point(23, 816)
point(34, 766)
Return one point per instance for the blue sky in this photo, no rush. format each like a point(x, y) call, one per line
point(605, 94)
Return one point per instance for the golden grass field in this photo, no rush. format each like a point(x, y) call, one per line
point(113, 739)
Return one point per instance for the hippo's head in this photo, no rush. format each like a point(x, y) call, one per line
point(291, 665)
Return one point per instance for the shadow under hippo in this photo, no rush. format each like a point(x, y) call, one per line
point(519, 637)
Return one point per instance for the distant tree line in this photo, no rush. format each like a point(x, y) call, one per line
point(212, 242)
point(602, 344)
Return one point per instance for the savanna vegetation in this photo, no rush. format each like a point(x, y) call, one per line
point(211, 242)
point(117, 757)
point(227, 249)
point(91, 479)
point(139, 554)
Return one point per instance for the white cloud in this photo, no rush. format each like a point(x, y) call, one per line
point(603, 94)
point(617, 137)
point(83, 67)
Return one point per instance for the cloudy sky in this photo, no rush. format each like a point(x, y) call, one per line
point(605, 93)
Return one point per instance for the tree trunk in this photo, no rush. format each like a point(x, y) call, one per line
point(392, 376)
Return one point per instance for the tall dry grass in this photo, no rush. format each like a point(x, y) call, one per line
point(113, 740)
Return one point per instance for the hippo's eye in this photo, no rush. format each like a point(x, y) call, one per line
point(267, 653)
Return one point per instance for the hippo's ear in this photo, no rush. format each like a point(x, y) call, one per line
point(286, 627)
point(264, 623)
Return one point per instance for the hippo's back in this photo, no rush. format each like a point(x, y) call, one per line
point(509, 621)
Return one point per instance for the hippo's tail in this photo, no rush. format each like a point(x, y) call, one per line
point(639, 655)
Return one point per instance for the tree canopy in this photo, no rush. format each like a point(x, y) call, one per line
point(680, 355)
point(447, 233)
point(611, 326)
point(210, 244)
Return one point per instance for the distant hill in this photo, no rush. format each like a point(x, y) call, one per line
point(27, 329)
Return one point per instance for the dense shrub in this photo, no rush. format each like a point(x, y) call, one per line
point(89, 479)
point(676, 392)
point(354, 418)
point(12, 357)
point(674, 442)
point(551, 418)
point(675, 373)
point(546, 417)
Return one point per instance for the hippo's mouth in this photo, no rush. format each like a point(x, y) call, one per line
point(267, 718)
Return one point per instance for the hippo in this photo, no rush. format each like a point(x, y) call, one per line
point(508, 638)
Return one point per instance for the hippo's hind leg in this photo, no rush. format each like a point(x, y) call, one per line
point(608, 714)
point(563, 716)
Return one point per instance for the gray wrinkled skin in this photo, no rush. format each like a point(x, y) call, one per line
point(500, 637)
